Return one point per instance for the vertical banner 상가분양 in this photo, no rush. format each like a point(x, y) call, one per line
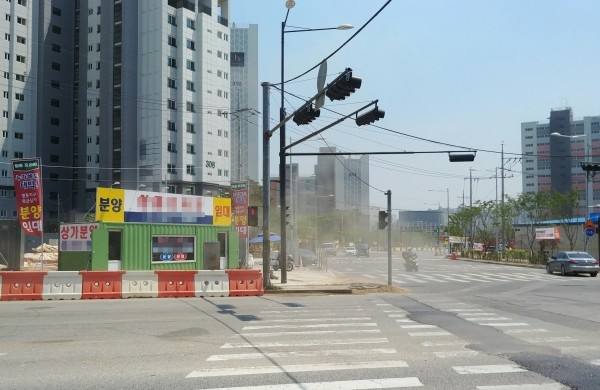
point(27, 176)
point(239, 200)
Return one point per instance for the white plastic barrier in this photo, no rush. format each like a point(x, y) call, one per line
point(139, 284)
point(211, 283)
point(62, 285)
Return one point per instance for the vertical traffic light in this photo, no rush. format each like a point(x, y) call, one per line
point(252, 216)
point(287, 215)
point(383, 219)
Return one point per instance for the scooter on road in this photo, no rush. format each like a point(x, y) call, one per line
point(410, 261)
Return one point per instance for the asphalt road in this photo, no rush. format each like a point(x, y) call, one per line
point(527, 331)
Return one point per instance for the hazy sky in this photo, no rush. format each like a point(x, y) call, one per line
point(460, 72)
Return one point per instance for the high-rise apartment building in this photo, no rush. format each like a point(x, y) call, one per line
point(133, 93)
point(244, 103)
point(553, 152)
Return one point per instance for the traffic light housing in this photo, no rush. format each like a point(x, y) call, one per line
point(345, 86)
point(306, 115)
point(383, 219)
point(252, 216)
point(287, 215)
point(590, 166)
point(461, 157)
point(370, 117)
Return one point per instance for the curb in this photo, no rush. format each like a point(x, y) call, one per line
point(310, 290)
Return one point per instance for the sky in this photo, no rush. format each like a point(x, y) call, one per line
point(450, 74)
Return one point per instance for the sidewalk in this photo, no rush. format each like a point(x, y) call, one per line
point(306, 280)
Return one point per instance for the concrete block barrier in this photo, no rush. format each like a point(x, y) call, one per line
point(22, 285)
point(176, 283)
point(245, 282)
point(62, 285)
point(101, 284)
point(139, 284)
point(212, 284)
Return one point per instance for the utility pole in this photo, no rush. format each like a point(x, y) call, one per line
point(389, 235)
point(502, 211)
point(471, 205)
point(266, 250)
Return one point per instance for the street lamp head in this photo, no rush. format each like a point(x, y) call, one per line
point(557, 134)
point(345, 27)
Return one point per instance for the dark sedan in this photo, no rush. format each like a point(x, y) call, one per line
point(307, 257)
point(573, 263)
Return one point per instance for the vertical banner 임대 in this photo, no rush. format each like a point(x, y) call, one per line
point(27, 176)
point(239, 201)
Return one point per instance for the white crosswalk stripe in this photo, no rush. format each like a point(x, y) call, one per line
point(385, 383)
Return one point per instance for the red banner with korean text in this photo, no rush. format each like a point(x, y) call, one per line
point(239, 202)
point(27, 176)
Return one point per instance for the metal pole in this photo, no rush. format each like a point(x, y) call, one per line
point(282, 173)
point(502, 211)
point(389, 235)
point(266, 250)
point(471, 207)
point(448, 221)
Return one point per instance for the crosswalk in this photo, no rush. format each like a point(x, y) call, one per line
point(374, 345)
point(399, 277)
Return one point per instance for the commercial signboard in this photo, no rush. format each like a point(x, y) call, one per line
point(76, 237)
point(239, 200)
point(551, 233)
point(27, 176)
point(118, 205)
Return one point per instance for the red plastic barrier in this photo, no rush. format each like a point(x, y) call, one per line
point(22, 285)
point(174, 283)
point(245, 282)
point(101, 284)
point(453, 256)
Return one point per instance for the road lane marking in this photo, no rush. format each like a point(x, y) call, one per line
point(284, 354)
point(387, 383)
point(442, 343)
point(433, 278)
point(595, 362)
point(309, 319)
point(464, 310)
point(476, 314)
point(488, 369)
point(413, 279)
point(487, 318)
point(300, 343)
point(294, 326)
point(261, 370)
point(404, 320)
point(452, 354)
point(419, 334)
point(474, 278)
point(549, 339)
point(419, 326)
point(450, 278)
point(398, 281)
point(541, 386)
point(499, 324)
point(515, 331)
point(307, 332)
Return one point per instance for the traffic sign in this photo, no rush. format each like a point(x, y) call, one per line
point(589, 232)
point(589, 224)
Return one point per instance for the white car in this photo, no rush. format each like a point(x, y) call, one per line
point(350, 250)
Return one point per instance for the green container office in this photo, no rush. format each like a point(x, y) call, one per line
point(151, 246)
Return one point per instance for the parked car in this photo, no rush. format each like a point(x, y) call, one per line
point(362, 250)
point(307, 257)
point(573, 263)
point(329, 249)
point(350, 250)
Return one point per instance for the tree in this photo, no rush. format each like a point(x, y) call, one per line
point(535, 208)
point(562, 206)
point(485, 222)
point(460, 222)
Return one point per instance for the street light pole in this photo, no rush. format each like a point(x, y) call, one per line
point(282, 171)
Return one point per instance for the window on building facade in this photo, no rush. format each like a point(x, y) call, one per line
point(55, 66)
point(172, 62)
point(20, 59)
point(189, 127)
point(190, 44)
point(22, 21)
point(56, 11)
point(171, 104)
point(171, 147)
point(21, 40)
point(55, 84)
point(20, 96)
point(54, 121)
point(56, 29)
point(190, 169)
point(171, 83)
point(190, 65)
point(171, 168)
point(190, 23)
point(190, 106)
point(171, 126)
point(190, 149)
point(190, 86)
point(55, 102)
point(19, 115)
point(171, 20)
point(172, 41)
point(18, 135)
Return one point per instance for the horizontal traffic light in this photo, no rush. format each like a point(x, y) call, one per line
point(461, 157)
point(590, 166)
point(370, 117)
point(306, 115)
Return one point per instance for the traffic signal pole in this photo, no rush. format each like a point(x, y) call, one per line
point(389, 235)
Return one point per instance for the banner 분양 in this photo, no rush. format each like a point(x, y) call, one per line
point(239, 203)
point(27, 176)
